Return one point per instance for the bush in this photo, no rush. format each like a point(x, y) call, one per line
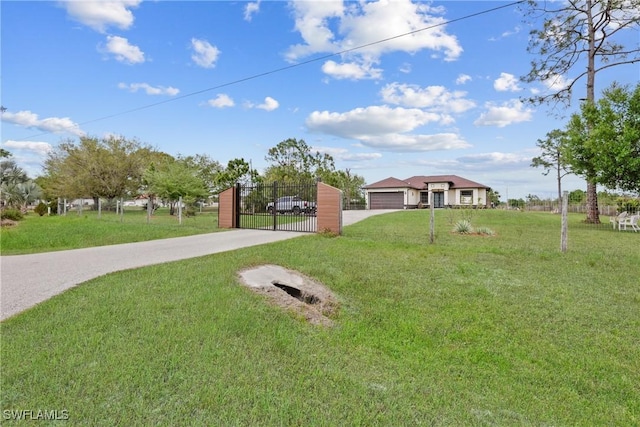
point(485, 231)
point(463, 227)
point(41, 209)
point(628, 204)
point(12, 214)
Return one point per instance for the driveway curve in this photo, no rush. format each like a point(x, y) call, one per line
point(22, 285)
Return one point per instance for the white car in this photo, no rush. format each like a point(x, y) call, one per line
point(293, 204)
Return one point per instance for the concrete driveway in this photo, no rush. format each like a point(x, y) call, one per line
point(26, 280)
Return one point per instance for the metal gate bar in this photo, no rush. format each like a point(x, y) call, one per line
point(277, 206)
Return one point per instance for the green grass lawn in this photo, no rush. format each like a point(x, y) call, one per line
point(503, 330)
point(53, 233)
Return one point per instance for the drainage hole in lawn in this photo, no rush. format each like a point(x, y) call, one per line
point(293, 291)
point(298, 294)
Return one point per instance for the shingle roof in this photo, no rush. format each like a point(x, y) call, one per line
point(455, 180)
point(390, 182)
point(420, 182)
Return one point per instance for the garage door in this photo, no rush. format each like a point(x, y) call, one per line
point(394, 200)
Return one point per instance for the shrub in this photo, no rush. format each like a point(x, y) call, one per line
point(485, 231)
point(53, 205)
point(628, 204)
point(463, 227)
point(12, 214)
point(41, 209)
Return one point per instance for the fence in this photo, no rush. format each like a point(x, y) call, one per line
point(606, 212)
point(307, 207)
point(277, 206)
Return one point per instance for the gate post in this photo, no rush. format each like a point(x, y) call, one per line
point(274, 199)
point(227, 208)
point(236, 205)
point(329, 215)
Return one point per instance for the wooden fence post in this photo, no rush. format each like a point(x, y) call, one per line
point(432, 219)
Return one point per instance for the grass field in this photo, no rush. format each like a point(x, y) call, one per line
point(42, 234)
point(503, 330)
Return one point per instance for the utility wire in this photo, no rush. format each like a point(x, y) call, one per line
point(289, 67)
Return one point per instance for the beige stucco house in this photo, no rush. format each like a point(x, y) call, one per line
point(417, 191)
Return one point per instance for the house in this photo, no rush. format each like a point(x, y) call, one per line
point(414, 192)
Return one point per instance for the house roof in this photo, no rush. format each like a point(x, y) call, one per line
point(420, 182)
point(390, 182)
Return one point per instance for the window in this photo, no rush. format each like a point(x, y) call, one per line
point(466, 197)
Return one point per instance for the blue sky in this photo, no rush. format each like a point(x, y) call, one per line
point(233, 79)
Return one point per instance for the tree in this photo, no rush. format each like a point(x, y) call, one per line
point(577, 196)
point(615, 138)
point(237, 171)
point(206, 168)
point(17, 190)
point(292, 160)
point(351, 185)
point(11, 173)
point(105, 168)
point(571, 33)
point(174, 179)
point(553, 157)
point(604, 139)
point(25, 193)
point(532, 198)
point(494, 198)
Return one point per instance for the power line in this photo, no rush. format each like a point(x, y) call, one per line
point(289, 67)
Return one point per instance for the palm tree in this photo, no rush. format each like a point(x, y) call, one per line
point(10, 172)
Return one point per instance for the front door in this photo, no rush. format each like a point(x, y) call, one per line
point(438, 199)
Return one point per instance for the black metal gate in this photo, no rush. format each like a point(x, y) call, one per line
point(277, 206)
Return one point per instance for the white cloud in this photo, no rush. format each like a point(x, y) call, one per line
point(29, 155)
point(269, 104)
point(385, 128)
point(556, 83)
point(123, 51)
point(405, 68)
point(508, 113)
point(342, 154)
point(149, 90)
point(497, 160)
point(28, 119)
point(506, 82)
point(204, 54)
point(312, 22)
point(362, 122)
point(351, 70)
point(462, 79)
point(221, 101)
point(490, 163)
point(416, 143)
point(251, 9)
point(506, 34)
point(100, 15)
point(334, 26)
point(435, 98)
point(39, 148)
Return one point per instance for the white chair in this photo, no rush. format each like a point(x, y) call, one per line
point(617, 220)
point(631, 221)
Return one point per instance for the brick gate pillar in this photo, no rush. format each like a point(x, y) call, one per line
point(227, 208)
point(329, 214)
